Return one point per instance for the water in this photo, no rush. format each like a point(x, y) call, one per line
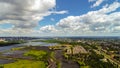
point(5, 61)
point(4, 48)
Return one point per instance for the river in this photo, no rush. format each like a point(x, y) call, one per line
point(4, 48)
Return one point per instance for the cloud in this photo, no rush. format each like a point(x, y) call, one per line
point(25, 13)
point(17, 32)
point(59, 12)
point(104, 20)
point(97, 2)
point(48, 29)
point(52, 19)
point(116, 29)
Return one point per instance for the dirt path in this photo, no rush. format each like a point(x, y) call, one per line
point(65, 63)
point(52, 64)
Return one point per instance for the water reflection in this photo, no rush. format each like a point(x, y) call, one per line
point(26, 44)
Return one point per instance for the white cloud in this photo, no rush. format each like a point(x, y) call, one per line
point(116, 29)
point(25, 13)
point(93, 21)
point(103, 21)
point(48, 29)
point(59, 12)
point(17, 32)
point(97, 2)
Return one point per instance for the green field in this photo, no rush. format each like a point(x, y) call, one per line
point(26, 64)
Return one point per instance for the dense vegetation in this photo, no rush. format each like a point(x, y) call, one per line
point(93, 60)
point(37, 55)
point(90, 61)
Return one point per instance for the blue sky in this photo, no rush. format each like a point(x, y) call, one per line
point(60, 18)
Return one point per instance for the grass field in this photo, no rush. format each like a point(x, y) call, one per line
point(26, 64)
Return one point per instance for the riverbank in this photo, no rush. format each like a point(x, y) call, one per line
point(45, 56)
point(9, 43)
point(27, 54)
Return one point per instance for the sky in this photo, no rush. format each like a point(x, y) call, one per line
point(59, 18)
